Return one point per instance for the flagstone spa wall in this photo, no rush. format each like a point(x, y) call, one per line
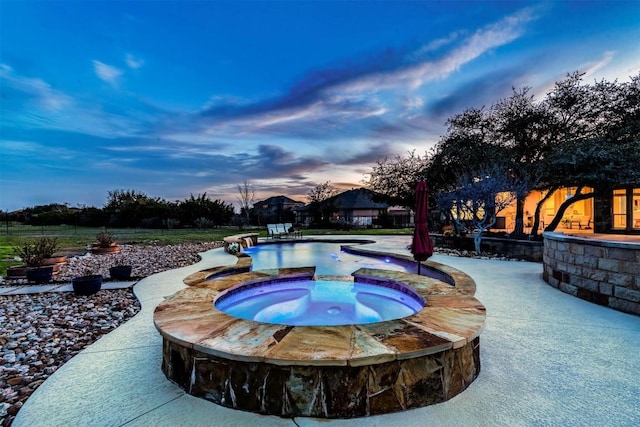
point(341, 371)
point(323, 391)
point(603, 272)
point(245, 240)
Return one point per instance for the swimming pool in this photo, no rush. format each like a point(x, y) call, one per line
point(327, 257)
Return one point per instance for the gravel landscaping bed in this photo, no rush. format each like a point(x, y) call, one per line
point(146, 260)
point(472, 254)
point(40, 332)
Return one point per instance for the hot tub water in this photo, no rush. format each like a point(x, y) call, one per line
point(319, 303)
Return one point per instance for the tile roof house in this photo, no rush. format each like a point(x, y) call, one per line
point(352, 208)
point(357, 208)
point(276, 209)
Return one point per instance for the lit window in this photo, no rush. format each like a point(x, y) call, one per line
point(636, 208)
point(620, 209)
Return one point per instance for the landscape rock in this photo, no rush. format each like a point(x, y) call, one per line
point(42, 331)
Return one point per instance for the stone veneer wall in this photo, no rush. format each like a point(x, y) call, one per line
point(323, 391)
point(245, 240)
point(529, 250)
point(603, 272)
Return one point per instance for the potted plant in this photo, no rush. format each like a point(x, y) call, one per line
point(88, 284)
point(106, 244)
point(121, 270)
point(33, 255)
point(49, 246)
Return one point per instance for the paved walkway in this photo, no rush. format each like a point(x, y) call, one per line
point(547, 359)
point(57, 287)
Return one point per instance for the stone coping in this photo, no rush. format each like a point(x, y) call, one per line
point(592, 241)
point(451, 318)
point(443, 272)
point(237, 238)
point(447, 274)
point(242, 265)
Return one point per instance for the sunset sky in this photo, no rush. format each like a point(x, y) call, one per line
point(174, 98)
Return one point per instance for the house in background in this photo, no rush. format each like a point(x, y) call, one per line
point(357, 209)
point(614, 212)
point(276, 209)
point(400, 217)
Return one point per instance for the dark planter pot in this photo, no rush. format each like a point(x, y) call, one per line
point(39, 274)
point(17, 272)
point(87, 285)
point(120, 272)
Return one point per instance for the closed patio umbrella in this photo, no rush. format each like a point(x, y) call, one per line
point(421, 246)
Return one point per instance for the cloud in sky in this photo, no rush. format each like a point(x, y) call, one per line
point(107, 73)
point(346, 94)
point(229, 95)
point(35, 91)
point(133, 62)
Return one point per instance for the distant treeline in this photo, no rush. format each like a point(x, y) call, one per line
point(131, 208)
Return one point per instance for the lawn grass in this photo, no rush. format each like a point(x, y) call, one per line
point(74, 239)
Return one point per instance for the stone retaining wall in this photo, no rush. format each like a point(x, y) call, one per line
point(529, 250)
point(603, 272)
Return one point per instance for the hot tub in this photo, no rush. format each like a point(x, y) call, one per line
point(331, 371)
point(320, 302)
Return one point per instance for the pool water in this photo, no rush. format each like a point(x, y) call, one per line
point(321, 302)
point(327, 257)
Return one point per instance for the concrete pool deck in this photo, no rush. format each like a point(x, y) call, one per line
point(547, 359)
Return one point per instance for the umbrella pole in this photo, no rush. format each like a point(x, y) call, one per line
point(418, 268)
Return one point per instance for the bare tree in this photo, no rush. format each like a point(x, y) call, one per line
point(396, 178)
point(320, 202)
point(478, 198)
point(246, 198)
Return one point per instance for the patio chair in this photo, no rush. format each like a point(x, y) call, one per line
point(282, 230)
point(272, 231)
point(290, 230)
